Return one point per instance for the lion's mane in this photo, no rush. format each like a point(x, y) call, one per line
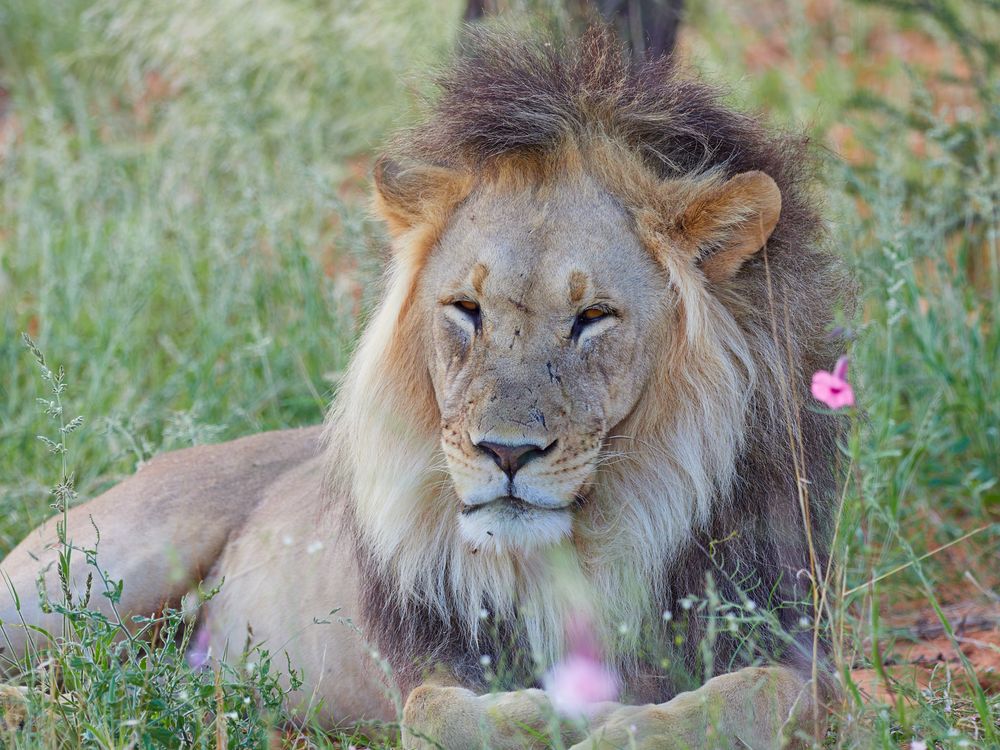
point(726, 465)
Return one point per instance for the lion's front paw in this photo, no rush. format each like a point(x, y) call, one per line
point(440, 717)
point(457, 719)
point(642, 728)
point(753, 708)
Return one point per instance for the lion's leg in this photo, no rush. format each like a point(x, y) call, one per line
point(160, 531)
point(756, 707)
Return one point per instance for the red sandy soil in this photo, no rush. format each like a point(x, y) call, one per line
point(923, 656)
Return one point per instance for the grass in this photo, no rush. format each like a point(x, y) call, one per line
point(183, 228)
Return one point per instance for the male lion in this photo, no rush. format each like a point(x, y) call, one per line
point(582, 396)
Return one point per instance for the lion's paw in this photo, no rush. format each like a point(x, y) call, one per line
point(440, 717)
point(678, 725)
point(457, 719)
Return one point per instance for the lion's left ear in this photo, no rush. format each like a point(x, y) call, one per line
point(410, 194)
point(731, 222)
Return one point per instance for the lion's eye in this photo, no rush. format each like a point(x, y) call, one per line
point(588, 317)
point(468, 308)
point(593, 313)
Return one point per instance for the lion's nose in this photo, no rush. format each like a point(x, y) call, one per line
point(510, 458)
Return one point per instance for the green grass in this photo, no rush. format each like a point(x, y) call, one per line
point(183, 229)
point(173, 243)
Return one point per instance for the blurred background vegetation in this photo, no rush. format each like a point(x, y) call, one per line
point(184, 227)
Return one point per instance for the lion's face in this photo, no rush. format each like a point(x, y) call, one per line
point(546, 315)
point(533, 304)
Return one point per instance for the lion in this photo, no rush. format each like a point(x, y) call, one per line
point(582, 394)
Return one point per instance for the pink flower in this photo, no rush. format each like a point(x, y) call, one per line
point(576, 683)
point(832, 388)
point(581, 679)
point(199, 653)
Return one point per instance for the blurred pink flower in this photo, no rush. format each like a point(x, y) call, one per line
point(581, 679)
point(576, 683)
point(199, 652)
point(832, 388)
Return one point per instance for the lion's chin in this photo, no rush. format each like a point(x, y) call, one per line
point(503, 527)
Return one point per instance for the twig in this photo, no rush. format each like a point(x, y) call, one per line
point(904, 566)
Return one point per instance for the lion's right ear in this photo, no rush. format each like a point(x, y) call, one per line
point(407, 195)
point(732, 221)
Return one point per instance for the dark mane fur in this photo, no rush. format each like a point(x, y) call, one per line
point(503, 96)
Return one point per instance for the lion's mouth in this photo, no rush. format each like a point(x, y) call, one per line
point(510, 504)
